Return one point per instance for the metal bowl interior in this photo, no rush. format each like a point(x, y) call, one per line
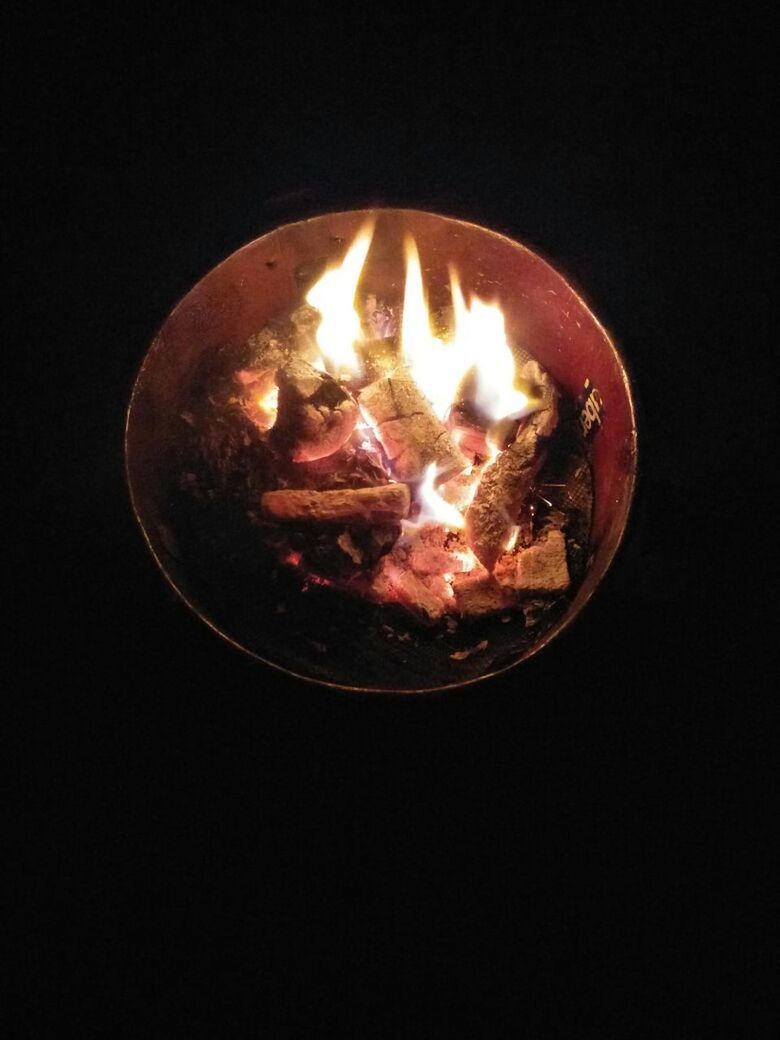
point(262, 281)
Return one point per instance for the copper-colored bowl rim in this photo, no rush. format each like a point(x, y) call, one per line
point(555, 630)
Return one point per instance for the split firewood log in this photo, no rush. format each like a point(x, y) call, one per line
point(506, 483)
point(407, 427)
point(316, 415)
point(346, 506)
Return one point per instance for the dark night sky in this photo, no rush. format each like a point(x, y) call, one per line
point(556, 851)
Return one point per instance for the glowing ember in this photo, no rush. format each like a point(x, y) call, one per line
point(262, 400)
point(267, 405)
point(334, 297)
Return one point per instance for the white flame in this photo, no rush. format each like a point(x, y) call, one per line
point(433, 508)
point(480, 332)
point(436, 367)
point(334, 297)
point(478, 342)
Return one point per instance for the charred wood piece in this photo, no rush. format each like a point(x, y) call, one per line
point(346, 506)
point(539, 570)
point(506, 484)
point(396, 584)
point(316, 415)
point(479, 594)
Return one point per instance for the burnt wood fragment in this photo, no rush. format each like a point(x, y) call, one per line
point(347, 506)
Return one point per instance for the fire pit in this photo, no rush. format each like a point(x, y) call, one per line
point(383, 450)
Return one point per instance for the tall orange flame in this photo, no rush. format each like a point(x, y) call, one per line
point(334, 297)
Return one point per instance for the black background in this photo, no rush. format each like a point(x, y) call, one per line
point(577, 848)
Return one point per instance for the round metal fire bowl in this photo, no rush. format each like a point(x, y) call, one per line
point(326, 637)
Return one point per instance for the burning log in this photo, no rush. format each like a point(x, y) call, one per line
point(506, 484)
point(316, 415)
point(539, 570)
point(407, 427)
point(346, 506)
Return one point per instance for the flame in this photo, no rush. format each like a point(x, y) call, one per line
point(478, 343)
point(436, 367)
point(433, 508)
point(511, 541)
point(334, 297)
point(480, 329)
